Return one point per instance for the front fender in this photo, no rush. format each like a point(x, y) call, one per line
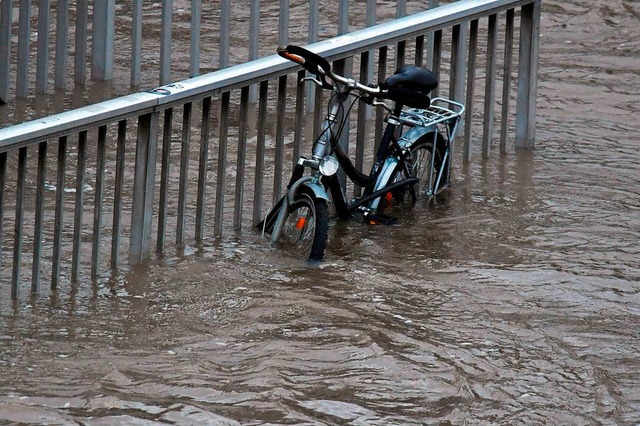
point(307, 182)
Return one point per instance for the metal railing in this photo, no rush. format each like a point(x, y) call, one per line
point(144, 192)
point(87, 36)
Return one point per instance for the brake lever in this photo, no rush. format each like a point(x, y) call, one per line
point(312, 79)
point(321, 81)
point(383, 105)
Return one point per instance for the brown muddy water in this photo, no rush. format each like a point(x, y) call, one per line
point(516, 302)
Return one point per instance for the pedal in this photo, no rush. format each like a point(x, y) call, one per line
point(380, 219)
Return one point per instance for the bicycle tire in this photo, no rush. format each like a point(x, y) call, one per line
point(307, 225)
point(421, 152)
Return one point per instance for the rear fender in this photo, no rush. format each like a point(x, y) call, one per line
point(412, 135)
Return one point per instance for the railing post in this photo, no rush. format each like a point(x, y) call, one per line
point(528, 75)
point(143, 185)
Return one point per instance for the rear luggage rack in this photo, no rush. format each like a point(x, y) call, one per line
point(440, 110)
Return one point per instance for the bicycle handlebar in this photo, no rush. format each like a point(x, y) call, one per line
point(320, 67)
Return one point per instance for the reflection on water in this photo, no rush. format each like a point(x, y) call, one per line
point(517, 300)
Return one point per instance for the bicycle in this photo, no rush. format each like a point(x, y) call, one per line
point(417, 164)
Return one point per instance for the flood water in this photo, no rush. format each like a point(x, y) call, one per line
point(516, 302)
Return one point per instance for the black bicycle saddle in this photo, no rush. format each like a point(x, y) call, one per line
point(410, 85)
point(412, 77)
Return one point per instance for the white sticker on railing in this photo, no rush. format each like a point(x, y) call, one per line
point(168, 89)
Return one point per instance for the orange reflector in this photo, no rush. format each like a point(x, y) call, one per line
point(300, 223)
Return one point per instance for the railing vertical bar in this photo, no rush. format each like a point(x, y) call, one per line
point(382, 74)
point(458, 61)
point(419, 51)
point(437, 58)
point(506, 80)
point(260, 141)
point(79, 205)
point(98, 201)
point(202, 167)
point(42, 71)
point(136, 43)
point(299, 120)
point(225, 19)
point(17, 241)
point(222, 163)
point(103, 34)
point(314, 21)
point(343, 17)
point(24, 39)
point(254, 40)
point(254, 29)
point(166, 41)
point(3, 178)
point(370, 13)
point(280, 129)
point(429, 58)
point(314, 28)
point(401, 48)
point(164, 178)
point(143, 187)
point(117, 195)
point(242, 158)
point(62, 43)
point(344, 67)
point(471, 85)
point(184, 172)
point(80, 48)
point(490, 86)
point(283, 23)
point(38, 218)
point(317, 110)
point(194, 57)
point(5, 47)
point(456, 36)
point(59, 213)
point(363, 112)
point(528, 75)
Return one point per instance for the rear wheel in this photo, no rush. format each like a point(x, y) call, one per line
point(306, 227)
point(418, 164)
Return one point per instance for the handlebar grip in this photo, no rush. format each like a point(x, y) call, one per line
point(310, 61)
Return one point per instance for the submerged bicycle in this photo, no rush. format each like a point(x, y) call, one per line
point(414, 165)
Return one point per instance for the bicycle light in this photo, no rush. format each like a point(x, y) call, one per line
point(329, 165)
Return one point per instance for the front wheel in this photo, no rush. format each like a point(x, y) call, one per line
point(307, 225)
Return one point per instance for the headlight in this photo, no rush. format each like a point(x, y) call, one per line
point(329, 165)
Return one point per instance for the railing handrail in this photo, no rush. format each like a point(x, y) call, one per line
point(46, 128)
